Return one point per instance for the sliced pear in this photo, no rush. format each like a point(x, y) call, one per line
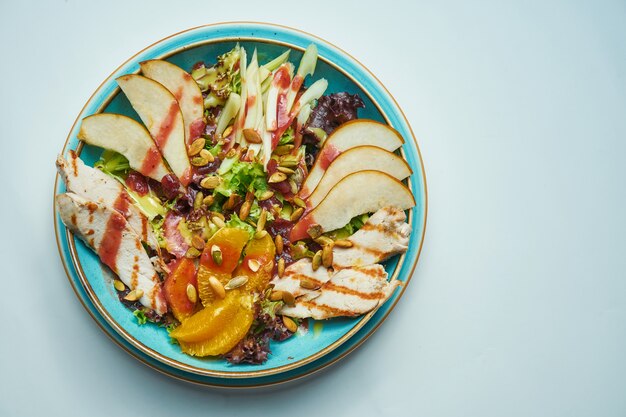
point(350, 135)
point(160, 112)
point(358, 193)
point(128, 137)
point(180, 83)
point(358, 159)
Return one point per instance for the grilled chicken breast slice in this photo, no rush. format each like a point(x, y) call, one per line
point(298, 271)
point(382, 236)
point(94, 185)
point(350, 292)
point(108, 233)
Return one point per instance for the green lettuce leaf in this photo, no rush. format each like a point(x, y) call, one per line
point(241, 178)
point(235, 221)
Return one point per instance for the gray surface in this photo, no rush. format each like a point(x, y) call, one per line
point(517, 306)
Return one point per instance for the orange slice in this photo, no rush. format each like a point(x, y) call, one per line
point(230, 242)
point(207, 322)
point(226, 339)
point(257, 263)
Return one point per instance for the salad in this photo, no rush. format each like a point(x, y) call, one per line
point(248, 201)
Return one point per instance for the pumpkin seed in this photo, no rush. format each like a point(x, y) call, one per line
point(226, 133)
point(208, 200)
point(210, 182)
point(252, 136)
point(308, 283)
point(266, 195)
point(244, 211)
point(317, 260)
point(197, 242)
point(236, 282)
point(324, 240)
point(216, 254)
point(197, 202)
point(254, 265)
point(134, 295)
point(314, 231)
point(192, 294)
point(327, 256)
point(277, 177)
point(278, 241)
point(283, 149)
point(198, 161)
point(207, 155)
point(286, 170)
point(196, 146)
point(192, 253)
point(289, 162)
point(218, 214)
point(260, 234)
point(288, 298)
point(281, 267)
point(218, 222)
point(217, 287)
point(276, 296)
point(299, 202)
point(290, 324)
point(296, 214)
point(231, 202)
point(293, 186)
point(262, 219)
point(343, 243)
point(119, 285)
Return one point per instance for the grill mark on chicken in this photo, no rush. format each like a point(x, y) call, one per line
point(73, 219)
point(333, 311)
point(367, 296)
point(74, 165)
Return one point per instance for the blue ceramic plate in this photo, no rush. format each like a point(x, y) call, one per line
point(323, 343)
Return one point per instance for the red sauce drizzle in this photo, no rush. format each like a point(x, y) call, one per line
point(328, 155)
point(281, 78)
point(250, 102)
point(179, 93)
point(112, 237)
point(297, 83)
point(151, 161)
point(196, 128)
point(299, 231)
point(167, 126)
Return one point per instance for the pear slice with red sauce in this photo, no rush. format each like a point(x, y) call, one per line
point(349, 135)
point(358, 193)
point(160, 112)
point(358, 159)
point(180, 83)
point(127, 137)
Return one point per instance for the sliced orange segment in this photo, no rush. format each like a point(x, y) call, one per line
point(207, 322)
point(258, 253)
point(226, 339)
point(175, 288)
point(230, 242)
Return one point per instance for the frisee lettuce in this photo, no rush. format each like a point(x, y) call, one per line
point(287, 137)
point(141, 317)
point(241, 178)
point(349, 229)
point(236, 222)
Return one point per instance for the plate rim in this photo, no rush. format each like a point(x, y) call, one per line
point(284, 368)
